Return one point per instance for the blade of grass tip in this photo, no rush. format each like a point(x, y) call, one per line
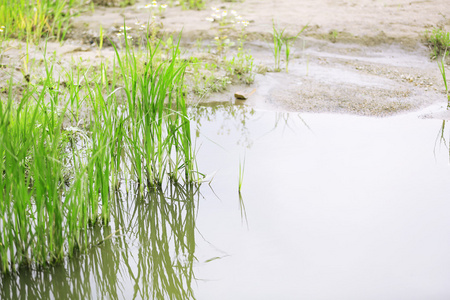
point(241, 174)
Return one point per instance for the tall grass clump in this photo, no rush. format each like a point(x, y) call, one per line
point(157, 131)
point(33, 196)
point(52, 185)
point(32, 19)
point(60, 166)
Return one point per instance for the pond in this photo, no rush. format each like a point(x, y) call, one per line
point(332, 207)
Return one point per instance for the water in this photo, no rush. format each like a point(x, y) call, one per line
point(332, 207)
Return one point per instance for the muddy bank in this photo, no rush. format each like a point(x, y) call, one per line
point(346, 78)
point(358, 57)
point(368, 22)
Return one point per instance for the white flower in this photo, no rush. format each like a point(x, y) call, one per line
point(164, 6)
point(210, 19)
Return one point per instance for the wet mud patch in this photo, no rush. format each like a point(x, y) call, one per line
point(343, 99)
point(372, 81)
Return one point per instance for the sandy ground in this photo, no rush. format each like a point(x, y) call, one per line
point(374, 63)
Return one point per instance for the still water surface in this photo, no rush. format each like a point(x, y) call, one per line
point(332, 207)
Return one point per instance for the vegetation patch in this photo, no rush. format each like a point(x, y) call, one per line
point(439, 42)
point(31, 20)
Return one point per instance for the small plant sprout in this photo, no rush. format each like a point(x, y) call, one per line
point(280, 40)
point(288, 42)
point(441, 65)
point(277, 46)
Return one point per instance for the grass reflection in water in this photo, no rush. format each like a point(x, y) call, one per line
point(147, 252)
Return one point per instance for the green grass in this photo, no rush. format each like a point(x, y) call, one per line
point(33, 197)
point(280, 40)
point(32, 20)
point(70, 137)
point(241, 174)
point(193, 4)
point(441, 65)
point(439, 42)
point(159, 138)
point(58, 176)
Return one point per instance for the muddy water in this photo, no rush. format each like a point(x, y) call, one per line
point(332, 207)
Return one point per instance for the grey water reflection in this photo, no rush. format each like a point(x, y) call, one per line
point(147, 252)
point(235, 120)
point(442, 137)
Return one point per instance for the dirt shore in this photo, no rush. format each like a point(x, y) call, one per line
point(363, 57)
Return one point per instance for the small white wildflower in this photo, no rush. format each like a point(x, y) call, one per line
point(125, 28)
point(164, 6)
point(233, 12)
point(224, 13)
point(210, 19)
point(148, 6)
point(129, 37)
point(119, 34)
point(245, 23)
point(238, 18)
point(216, 38)
point(154, 4)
